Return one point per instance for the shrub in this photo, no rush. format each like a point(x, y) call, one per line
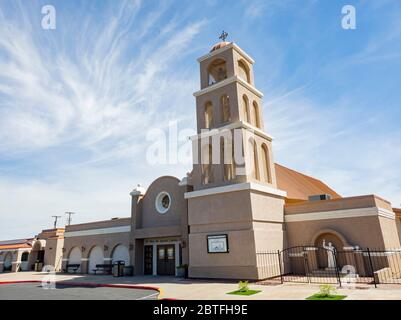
point(327, 290)
point(243, 286)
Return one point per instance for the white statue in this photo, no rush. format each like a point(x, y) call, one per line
point(330, 254)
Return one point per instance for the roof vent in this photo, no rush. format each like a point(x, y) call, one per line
point(320, 197)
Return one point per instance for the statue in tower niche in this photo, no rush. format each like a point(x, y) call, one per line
point(331, 264)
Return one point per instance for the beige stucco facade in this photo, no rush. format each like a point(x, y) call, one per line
point(45, 249)
point(365, 221)
point(152, 228)
point(223, 214)
point(106, 235)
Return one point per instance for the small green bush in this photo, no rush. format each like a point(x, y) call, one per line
point(243, 286)
point(327, 290)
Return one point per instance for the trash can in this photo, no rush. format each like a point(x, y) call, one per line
point(118, 268)
point(38, 266)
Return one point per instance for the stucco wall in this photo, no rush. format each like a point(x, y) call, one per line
point(252, 222)
point(220, 208)
point(368, 201)
point(54, 253)
point(398, 224)
point(99, 224)
point(151, 218)
point(267, 208)
point(239, 262)
point(148, 223)
point(362, 231)
point(106, 241)
point(390, 233)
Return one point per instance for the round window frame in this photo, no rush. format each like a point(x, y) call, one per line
point(159, 205)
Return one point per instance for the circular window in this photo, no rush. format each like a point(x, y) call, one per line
point(163, 202)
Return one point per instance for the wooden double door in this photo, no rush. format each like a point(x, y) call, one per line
point(148, 261)
point(165, 260)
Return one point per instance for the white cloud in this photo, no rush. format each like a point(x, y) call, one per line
point(27, 206)
point(266, 8)
point(351, 154)
point(91, 91)
point(96, 98)
point(51, 97)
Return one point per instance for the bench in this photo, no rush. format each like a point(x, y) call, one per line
point(105, 268)
point(73, 266)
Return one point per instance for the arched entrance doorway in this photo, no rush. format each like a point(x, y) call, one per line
point(333, 239)
point(8, 262)
point(24, 261)
point(121, 253)
point(95, 257)
point(37, 254)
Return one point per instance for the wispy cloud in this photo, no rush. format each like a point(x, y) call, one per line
point(76, 103)
point(264, 8)
point(350, 156)
point(51, 97)
point(88, 92)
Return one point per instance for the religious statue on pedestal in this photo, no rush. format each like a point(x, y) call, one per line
point(331, 264)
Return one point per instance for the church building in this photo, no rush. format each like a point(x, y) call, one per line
point(234, 204)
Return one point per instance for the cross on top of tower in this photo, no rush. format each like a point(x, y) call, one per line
point(223, 36)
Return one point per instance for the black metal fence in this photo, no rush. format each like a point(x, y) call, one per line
point(310, 264)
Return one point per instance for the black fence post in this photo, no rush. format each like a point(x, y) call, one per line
point(306, 264)
point(371, 267)
point(337, 267)
point(279, 265)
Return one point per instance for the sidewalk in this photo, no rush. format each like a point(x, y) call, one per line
point(174, 288)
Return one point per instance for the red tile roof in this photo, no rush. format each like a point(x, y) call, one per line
point(300, 186)
point(15, 246)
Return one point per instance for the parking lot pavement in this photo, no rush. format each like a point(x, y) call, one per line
point(176, 288)
point(35, 291)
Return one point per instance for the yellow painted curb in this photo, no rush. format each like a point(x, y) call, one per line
point(161, 293)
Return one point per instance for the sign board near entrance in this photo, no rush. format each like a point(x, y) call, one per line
point(217, 243)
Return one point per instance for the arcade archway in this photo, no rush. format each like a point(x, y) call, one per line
point(121, 253)
point(96, 256)
point(8, 262)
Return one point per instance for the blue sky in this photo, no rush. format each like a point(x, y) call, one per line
point(76, 103)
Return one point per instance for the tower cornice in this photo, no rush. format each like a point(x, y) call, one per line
point(230, 46)
point(226, 82)
point(237, 187)
point(231, 126)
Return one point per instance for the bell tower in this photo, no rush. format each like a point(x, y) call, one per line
point(235, 209)
point(231, 146)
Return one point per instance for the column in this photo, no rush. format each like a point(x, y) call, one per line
point(177, 256)
point(16, 261)
point(85, 265)
point(154, 257)
point(64, 264)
